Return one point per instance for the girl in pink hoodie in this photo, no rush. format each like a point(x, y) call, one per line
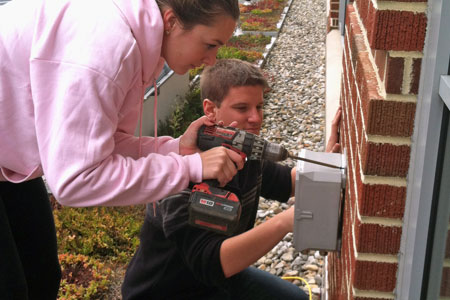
point(73, 74)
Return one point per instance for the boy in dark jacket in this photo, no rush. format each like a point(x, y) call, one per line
point(179, 261)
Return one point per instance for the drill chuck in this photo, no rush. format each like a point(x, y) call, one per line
point(275, 152)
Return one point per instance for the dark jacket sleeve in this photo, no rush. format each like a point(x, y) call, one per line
point(200, 249)
point(276, 181)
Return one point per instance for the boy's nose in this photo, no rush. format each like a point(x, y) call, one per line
point(255, 116)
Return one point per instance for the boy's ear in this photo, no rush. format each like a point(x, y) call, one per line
point(209, 108)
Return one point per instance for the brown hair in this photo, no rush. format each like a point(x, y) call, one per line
point(204, 12)
point(217, 80)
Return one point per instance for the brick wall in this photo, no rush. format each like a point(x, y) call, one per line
point(382, 55)
point(333, 15)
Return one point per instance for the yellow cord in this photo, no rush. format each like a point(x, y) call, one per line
point(307, 284)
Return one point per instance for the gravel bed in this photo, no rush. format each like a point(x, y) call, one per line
point(294, 116)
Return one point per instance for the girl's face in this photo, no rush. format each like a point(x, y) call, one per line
point(188, 49)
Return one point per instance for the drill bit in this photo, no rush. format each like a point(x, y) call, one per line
point(315, 162)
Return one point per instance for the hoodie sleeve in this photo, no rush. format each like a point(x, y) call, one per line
point(128, 145)
point(76, 122)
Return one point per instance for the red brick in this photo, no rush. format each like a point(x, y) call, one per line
point(394, 75)
point(334, 6)
point(373, 200)
point(404, 1)
point(381, 200)
point(363, 10)
point(389, 118)
point(397, 30)
point(392, 30)
point(341, 264)
point(337, 278)
point(351, 18)
point(357, 47)
point(351, 130)
point(376, 276)
point(354, 93)
point(334, 14)
point(447, 245)
point(417, 65)
point(384, 159)
point(375, 238)
point(359, 124)
point(380, 57)
point(445, 282)
point(370, 298)
point(381, 117)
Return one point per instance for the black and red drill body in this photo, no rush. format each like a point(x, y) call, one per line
point(212, 207)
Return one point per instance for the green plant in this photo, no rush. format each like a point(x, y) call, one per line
point(194, 72)
point(99, 232)
point(233, 52)
point(262, 5)
point(258, 11)
point(82, 278)
point(258, 23)
point(262, 15)
point(186, 110)
point(249, 41)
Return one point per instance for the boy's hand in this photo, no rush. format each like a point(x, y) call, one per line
point(221, 163)
point(333, 141)
point(288, 218)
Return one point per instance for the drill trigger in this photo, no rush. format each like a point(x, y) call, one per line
point(242, 154)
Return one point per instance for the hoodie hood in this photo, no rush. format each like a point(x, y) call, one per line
point(145, 20)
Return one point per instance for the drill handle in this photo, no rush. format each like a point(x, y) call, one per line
point(212, 182)
point(242, 154)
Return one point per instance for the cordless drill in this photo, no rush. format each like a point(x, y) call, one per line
point(210, 206)
point(248, 145)
point(214, 208)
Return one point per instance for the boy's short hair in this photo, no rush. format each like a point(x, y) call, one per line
point(218, 79)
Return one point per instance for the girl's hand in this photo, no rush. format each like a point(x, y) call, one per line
point(188, 141)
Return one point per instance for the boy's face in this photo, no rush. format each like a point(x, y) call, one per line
point(242, 104)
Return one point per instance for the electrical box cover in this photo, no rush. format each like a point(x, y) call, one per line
point(319, 192)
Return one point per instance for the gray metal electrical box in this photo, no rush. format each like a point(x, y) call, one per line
point(319, 193)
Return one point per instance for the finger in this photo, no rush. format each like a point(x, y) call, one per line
point(229, 167)
point(337, 117)
point(336, 148)
point(209, 122)
point(236, 158)
point(228, 172)
point(233, 124)
point(195, 125)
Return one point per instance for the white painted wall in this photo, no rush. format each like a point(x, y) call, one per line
point(172, 87)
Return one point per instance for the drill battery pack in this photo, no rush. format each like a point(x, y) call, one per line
point(214, 209)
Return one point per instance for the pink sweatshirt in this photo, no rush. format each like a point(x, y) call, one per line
point(73, 74)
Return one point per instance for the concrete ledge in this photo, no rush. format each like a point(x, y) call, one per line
point(333, 77)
